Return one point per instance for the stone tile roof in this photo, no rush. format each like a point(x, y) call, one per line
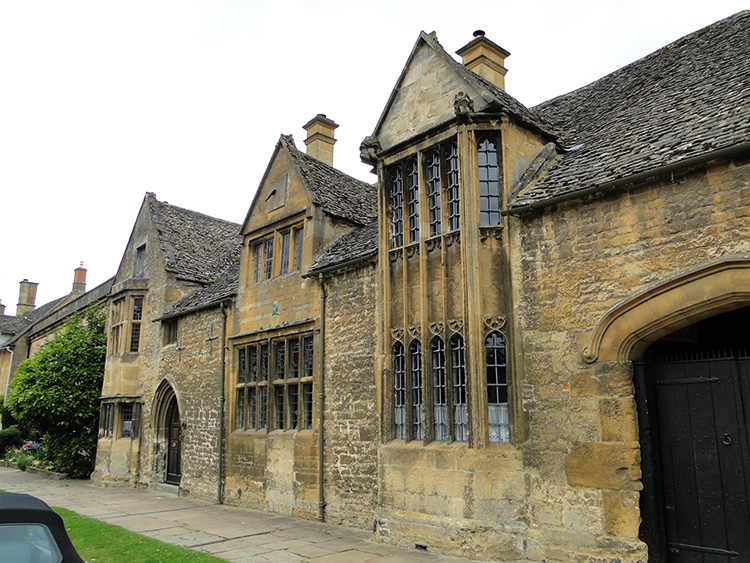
point(685, 100)
point(354, 244)
point(195, 247)
point(337, 193)
point(500, 100)
point(224, 286)
point(12, 325)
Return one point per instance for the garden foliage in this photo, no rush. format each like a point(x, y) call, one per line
point(54, 394)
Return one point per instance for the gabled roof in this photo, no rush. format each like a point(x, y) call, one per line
point(491, 98)
point(353, 245)
point(337, 193)
point(194, 246)
point(686, 100)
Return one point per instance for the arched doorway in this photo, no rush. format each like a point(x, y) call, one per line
point(693, 397)
point(174, 443)
point(169, 434)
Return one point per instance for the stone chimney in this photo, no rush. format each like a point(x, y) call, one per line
point(320, 139)
point(485, 58)
point(26, 297)
point(79, 279)
point(2, 308)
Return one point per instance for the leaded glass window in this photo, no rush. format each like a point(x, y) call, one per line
point(497, 388)
point(268, 262)
point(285, 244)
point(294, 358)
point(458, 368)
point(308, 349)
point(298, 237)
point(415, 358)
point(399, 388)
point(433, 192)
point(307, 404)
point(451, 186)
point(257, 261)
point(412, 188)
point(279, 407)
point(440, 396)
point(280, 359)
point(397, 210)
point(489, 183)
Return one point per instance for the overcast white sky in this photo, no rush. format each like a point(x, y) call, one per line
point(102, 101)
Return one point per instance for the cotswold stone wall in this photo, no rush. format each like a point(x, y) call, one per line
point(571, 265)
point(351, 417)
point(193, 368)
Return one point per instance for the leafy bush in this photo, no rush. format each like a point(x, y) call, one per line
point(22, 461)
point(10, 438)
point(54, 394)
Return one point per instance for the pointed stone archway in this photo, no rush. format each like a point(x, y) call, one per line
point(688, 338)
point(168, 434)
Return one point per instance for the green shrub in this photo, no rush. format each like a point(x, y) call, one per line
point(10, 438)
point(22, 461)
point(55, 394)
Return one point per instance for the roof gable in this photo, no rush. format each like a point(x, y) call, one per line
point(337, 194)
point(423, 97)
point(192, 246)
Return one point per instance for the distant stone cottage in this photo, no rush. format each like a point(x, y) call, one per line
point(527, 342)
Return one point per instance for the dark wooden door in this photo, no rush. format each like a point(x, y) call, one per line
point(696, 466)
point(174, 444)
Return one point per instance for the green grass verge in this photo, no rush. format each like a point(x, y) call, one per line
point(96, 541)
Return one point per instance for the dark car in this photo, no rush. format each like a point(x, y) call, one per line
point(30, 532)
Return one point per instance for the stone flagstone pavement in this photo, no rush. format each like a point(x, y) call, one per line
point(226, 532)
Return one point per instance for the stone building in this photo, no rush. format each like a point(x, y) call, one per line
point(161, 409)
point(286, 346)
point(528, 342)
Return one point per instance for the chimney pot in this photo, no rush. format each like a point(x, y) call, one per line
point(320, 138)
point(485, 58)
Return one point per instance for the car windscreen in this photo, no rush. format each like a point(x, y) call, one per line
point(28, 543)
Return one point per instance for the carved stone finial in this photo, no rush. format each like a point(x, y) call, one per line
point(463, 104)
point(368, 149)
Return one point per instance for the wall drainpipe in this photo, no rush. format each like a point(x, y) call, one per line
point(321, 400)
point(222, 426)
